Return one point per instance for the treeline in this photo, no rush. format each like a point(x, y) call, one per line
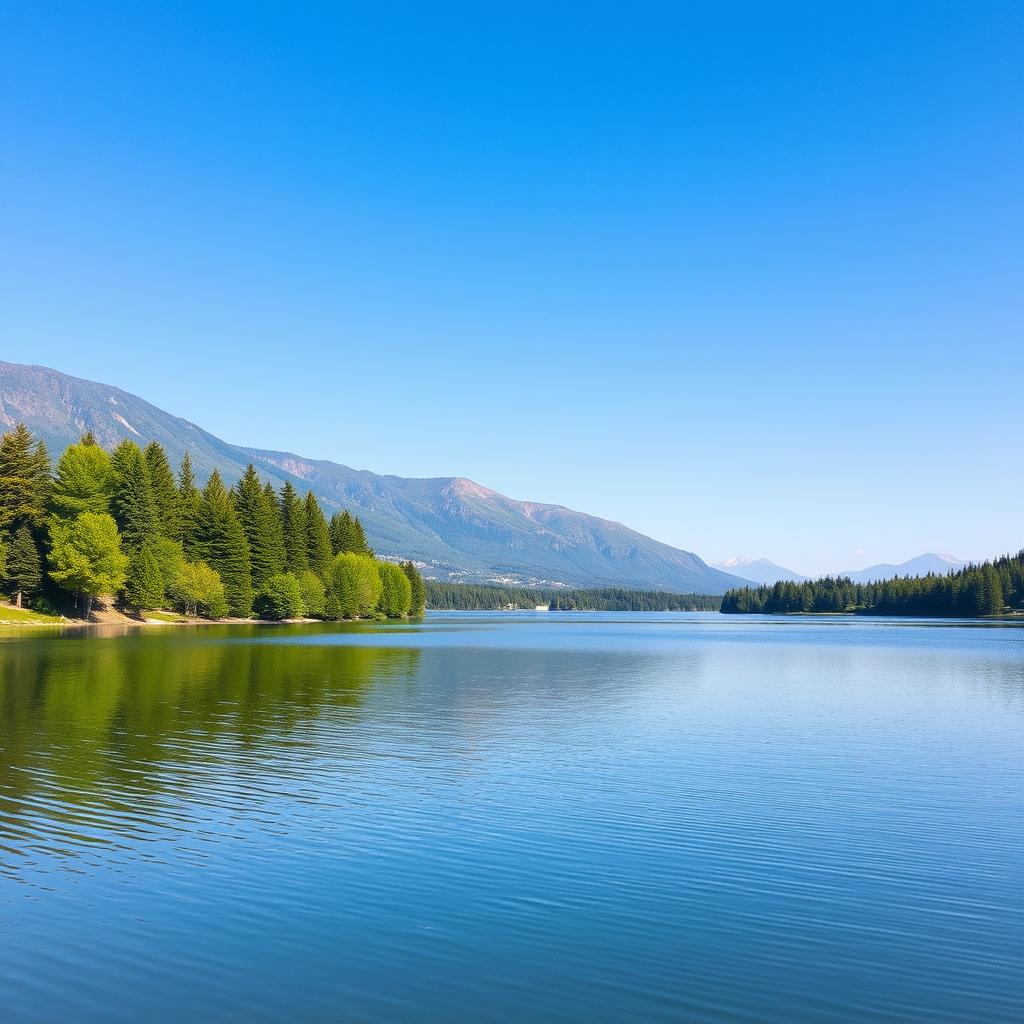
point(487, 597)
point(122, 525)
point(991, 588)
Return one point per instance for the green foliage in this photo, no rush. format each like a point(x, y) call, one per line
point(132, 497)
point(83, 482)
point(262, 528)
point(24, 480)
point(166, 500)
point(24, 568)
point(347, 535)
point(220, 542)
point(189, 500)
point(293, 524)
point(280, 598)
point(86, 556)
point(144, 582)
point(169, 557)
point(198, 591)
point(483, 597)
point(313, 592)
point(318, 538)
point(974, 590)
point(418, 590)
point(356, 585)
point(396, 591)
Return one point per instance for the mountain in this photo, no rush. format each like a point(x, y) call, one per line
point(919, 566)
point(757, 570)
point(455, 528)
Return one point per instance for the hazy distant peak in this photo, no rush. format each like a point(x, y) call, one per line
point(757, 570)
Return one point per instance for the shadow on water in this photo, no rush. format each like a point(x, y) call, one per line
point(105, 735)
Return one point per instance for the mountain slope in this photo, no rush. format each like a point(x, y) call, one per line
point(458, 529)
point(758, 570)
point(919, 566)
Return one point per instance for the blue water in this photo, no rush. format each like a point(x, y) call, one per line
point(527, 817)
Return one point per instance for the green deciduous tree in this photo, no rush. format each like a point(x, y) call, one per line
point(396, 591)
point(280, 598)
point(356, 585)
point(86, 557)
point(131, 500)
point(198, 591)
point(314, 594)
point(24, 568)
point(220, 542)
point(418, 589)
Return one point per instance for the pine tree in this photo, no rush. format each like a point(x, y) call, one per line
point(318, 538)
point(341, 532)
point(275, 531)
point(361, 545)
point(24, 480)
point(24, 572)
point(166, 500)
point(188, 506)
point(132, 498)
point(266, 557)
point(144, 582)
point(220, 542)
point(293, 524)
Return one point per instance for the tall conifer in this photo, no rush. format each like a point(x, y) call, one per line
point(318, 538)
point(293, 523)
point(221, 543)
point(166, 500)
point(188, 505)
point(265, 556)
point(132, 497)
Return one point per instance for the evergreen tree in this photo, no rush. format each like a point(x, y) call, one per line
point(24, 570)
point(24, 480)
point(275, 531)
point(360, 544)
point(132, 497)
point(347, 535)
point(166, 500)
point(144, 583)
point(188, 506)
point(293, 524)
point(220, 542)
point(418, 590)
point(318, 538)
point(266, 556)
point(87, 558)
point(88, 438)
point(83, 482)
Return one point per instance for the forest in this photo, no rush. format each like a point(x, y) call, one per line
point(488, 597)
point(992, 588)
point(122, 526)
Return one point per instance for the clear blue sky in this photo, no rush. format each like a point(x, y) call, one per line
point(748, 277)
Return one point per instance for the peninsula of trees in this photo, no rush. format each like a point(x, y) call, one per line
point(123, 526)
point(992, 588)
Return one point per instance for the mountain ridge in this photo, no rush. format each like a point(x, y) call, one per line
point(455, 528)
point(758, 570)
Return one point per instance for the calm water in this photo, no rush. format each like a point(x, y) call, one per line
point(515, 818)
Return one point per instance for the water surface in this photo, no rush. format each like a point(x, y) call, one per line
point(542, 817)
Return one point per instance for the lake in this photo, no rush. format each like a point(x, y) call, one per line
point(514, 817)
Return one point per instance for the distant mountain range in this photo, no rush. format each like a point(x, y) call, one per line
point(919, 566)
point(455, 528)
point(758, 570)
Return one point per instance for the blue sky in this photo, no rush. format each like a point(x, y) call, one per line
point(747, 277)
